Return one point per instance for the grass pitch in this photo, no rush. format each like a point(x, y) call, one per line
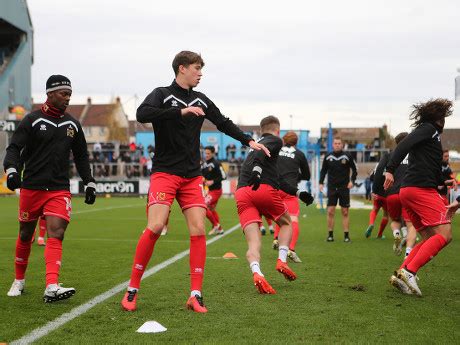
point(342, 293)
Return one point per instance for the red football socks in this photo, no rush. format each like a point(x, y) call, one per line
point(142, 256)
point(216, 216)
point(197, 261)
point(428, 250)
point(22, 258)
point(211, 217)
point(53, 255)
point(372, 216)
point(295, 235)
point(383, 224)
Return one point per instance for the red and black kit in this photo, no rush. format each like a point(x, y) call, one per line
point(212, 170)
point(42, 144)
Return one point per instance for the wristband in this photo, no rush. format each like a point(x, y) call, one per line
point(258, 169)
point(10, 171)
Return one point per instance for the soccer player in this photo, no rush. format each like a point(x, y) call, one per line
point(418, 193)
point(43, 141)
point(213, 174)
point(177, 113)
point(396, 211)
point(447, 177)
point(378, 198)
point(338, 165)
point(257, 193)
point(292, 167)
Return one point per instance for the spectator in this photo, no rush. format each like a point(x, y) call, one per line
point(97, 147)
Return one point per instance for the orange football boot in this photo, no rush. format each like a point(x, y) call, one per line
point(262, 285)
point(285, 270)
point(196, 304)
point(128, 302)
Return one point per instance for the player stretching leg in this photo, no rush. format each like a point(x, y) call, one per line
point(177, 113)
point(257, 193)
point(418, 193)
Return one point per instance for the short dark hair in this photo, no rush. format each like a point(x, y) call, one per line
point(337, 138)
point(431, 111)
point(269, 123)
point(445, 150)
point(210, 148)
point(186, 58)
point(400, 137)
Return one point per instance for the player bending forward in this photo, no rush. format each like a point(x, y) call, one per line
point(258, 193)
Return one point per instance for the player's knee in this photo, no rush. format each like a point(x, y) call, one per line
point(156, 228)
point(285, 219)
point(25, 236)
point(345, 212)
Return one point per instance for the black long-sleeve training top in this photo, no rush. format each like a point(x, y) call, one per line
point(398, 176)
point(269, 167)
point(212, 170)
point(42, 143)
point(379, 177)
point(292, 166)
point(337, 166)
point(424, 147)
point(177, 137)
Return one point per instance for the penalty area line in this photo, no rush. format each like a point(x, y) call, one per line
point(77, 311)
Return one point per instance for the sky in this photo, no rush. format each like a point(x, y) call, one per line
point(350, 63)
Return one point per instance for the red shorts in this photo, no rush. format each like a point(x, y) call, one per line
point(380, 202)
point(213, 197)
point(165, 187)
point(424, 206)
point(395, 209)
point(291, 202)
point(264, 201)
point(35, 203)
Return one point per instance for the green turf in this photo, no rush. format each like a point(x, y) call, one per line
point(342, 293)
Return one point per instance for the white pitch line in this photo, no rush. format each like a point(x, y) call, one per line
point(105, 209)
point(75, 312)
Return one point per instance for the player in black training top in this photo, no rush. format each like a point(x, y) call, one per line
point(338, 165)
point(42, 144)
point(447, 178)
point(213, 175)
point(176, 113)
point(258, 194)
point(419, 193)
point(378, 198)
point(292, 167)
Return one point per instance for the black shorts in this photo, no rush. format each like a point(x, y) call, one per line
point(341, 194)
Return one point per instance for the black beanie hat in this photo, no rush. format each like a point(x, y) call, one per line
point(57, 82)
